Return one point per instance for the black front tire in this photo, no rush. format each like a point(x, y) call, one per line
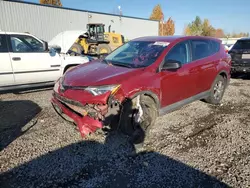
point(137, 131)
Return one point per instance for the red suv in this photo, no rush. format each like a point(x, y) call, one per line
point(142, 79)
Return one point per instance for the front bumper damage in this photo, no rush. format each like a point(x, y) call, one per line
point(87, 117)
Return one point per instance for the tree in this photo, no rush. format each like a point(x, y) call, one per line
point(196, 26)
point(187, 30)
point(165, 28)
point(242, 35)
point(238, 35)
point(207, 29)
point(199, 27)
point(219, 33)
point(157, 13)
point(51, 2)
point(169, 27)
point(204, 28)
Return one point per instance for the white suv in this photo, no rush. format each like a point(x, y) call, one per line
point(27, 61)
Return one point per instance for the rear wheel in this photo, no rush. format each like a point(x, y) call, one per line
point(217, 90)
point(137, 117)
point(103, 49)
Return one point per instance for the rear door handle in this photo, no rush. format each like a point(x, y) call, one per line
point(16, 58)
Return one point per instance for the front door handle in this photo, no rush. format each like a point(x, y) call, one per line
point(16, 58)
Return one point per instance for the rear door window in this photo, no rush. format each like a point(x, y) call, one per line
point(3, 44)
point(242, 44)
point(204, 48)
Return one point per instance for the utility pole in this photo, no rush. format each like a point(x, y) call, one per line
point(120, 10)
point(162, 24)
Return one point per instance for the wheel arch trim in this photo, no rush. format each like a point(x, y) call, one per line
point(147, 93)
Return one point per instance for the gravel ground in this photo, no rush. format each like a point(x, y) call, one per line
point(197, 146)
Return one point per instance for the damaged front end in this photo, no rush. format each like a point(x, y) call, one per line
point(87, 107)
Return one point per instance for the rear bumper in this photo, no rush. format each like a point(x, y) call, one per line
point(240, 65)
point(85, 124)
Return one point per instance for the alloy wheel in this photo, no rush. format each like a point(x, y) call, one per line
point(218, 90)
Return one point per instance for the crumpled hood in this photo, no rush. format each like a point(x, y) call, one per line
point(98, 73)
point(65, 39)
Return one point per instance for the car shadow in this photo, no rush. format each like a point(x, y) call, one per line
point(28, 90)
point(242, 76)
point(112, 163)
point(16, 117)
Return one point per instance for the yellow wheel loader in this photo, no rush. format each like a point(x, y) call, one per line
point(96, 41)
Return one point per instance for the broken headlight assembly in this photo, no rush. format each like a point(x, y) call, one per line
point(99, 90)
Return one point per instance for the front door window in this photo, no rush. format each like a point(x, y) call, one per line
point(23, 43)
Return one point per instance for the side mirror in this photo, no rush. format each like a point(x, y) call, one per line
point(171, 65)
point(56, 48)
point(45, 46)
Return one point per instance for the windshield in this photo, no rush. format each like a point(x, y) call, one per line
point(241, 44)
point(137, 54)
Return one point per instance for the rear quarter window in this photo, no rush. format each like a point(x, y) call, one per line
point(3, 44)
point(214, 47)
